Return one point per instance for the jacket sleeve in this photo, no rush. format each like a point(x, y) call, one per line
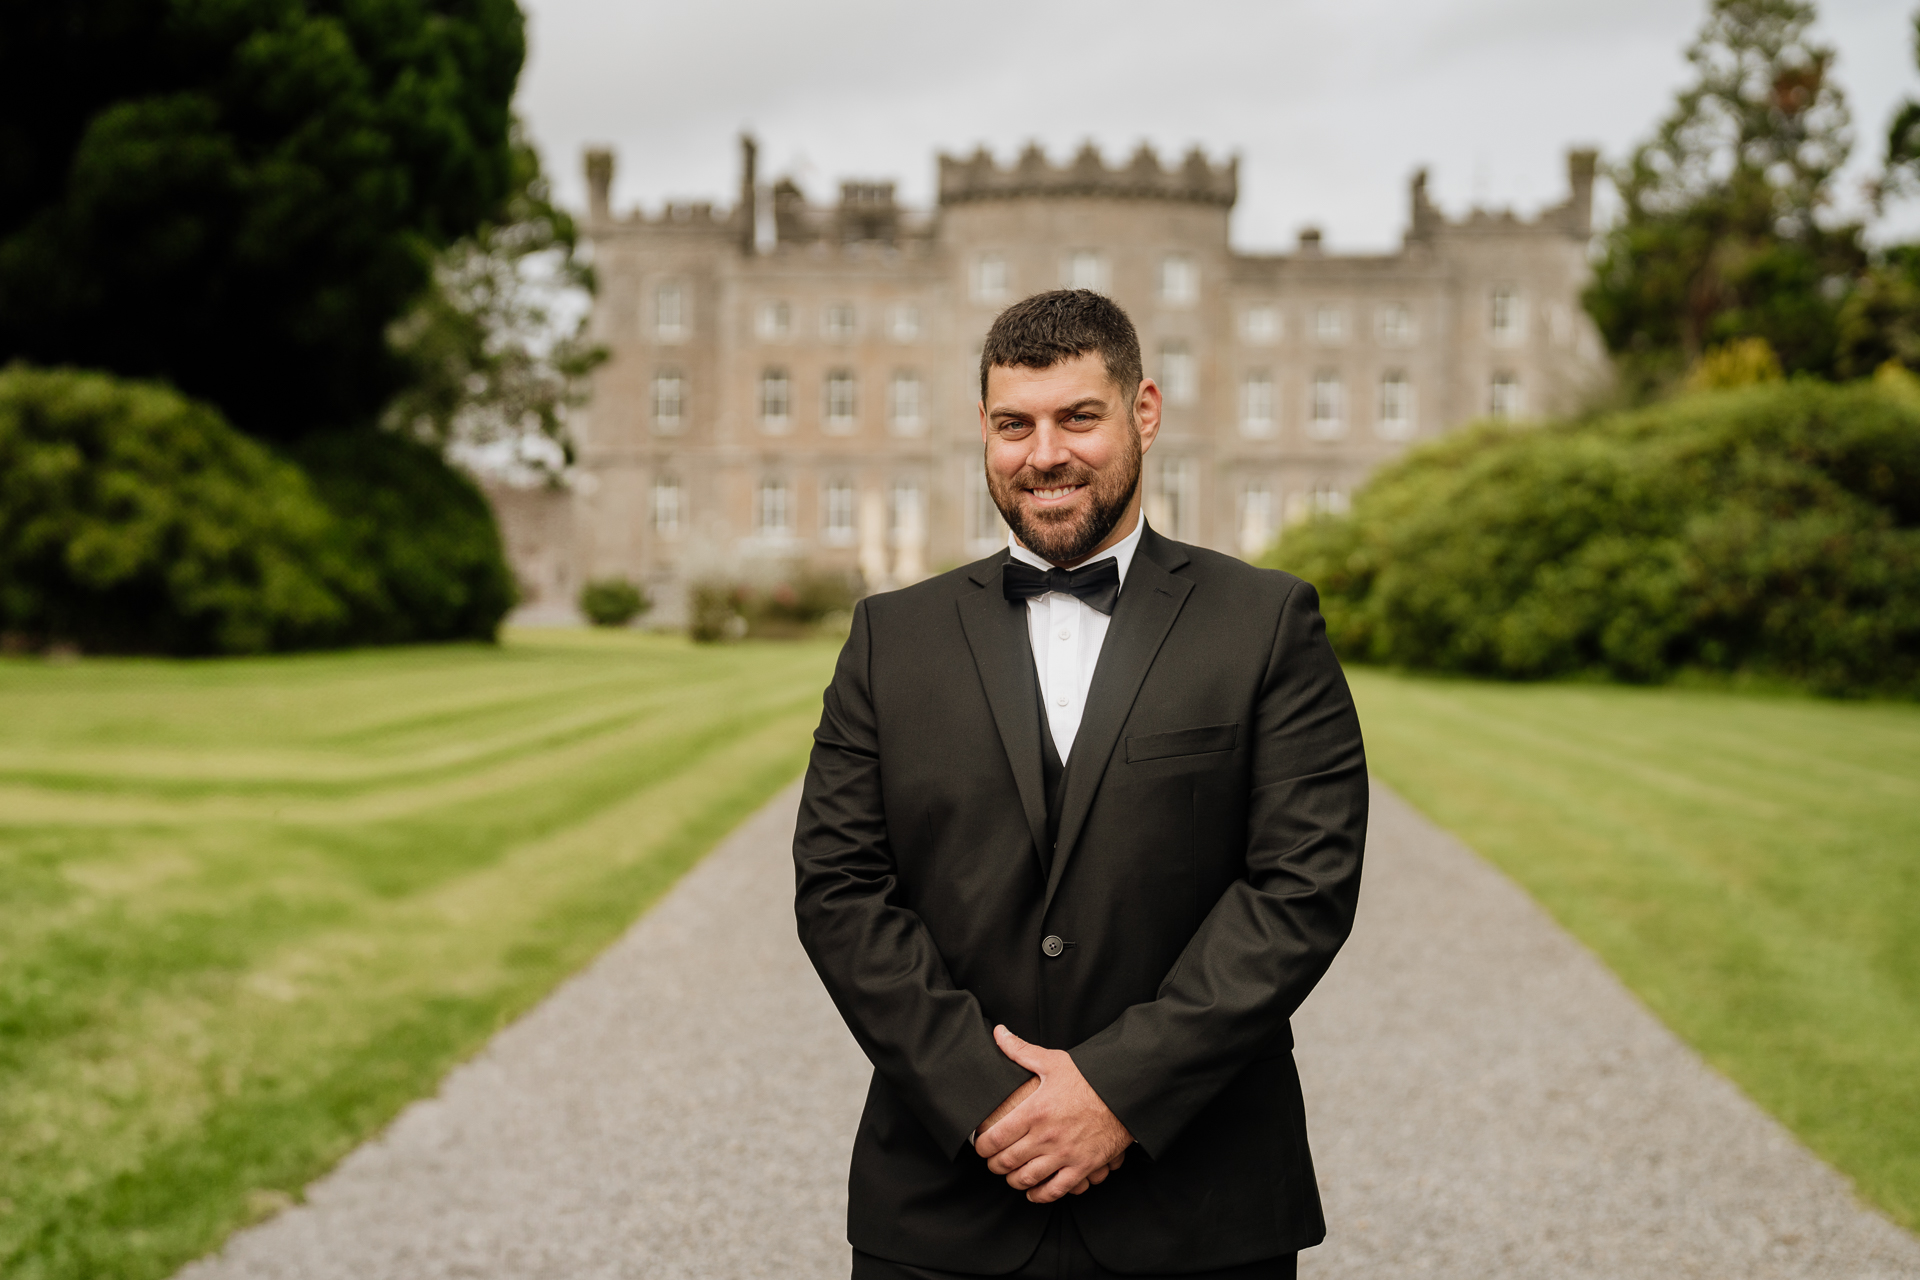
point(928, 1038)
point(1271, 936)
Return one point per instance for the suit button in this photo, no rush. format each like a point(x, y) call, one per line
point(1052, 945)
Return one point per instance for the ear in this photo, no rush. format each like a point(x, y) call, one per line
point(982, 406)
point(1146, 412)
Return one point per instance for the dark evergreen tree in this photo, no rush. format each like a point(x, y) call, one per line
point(240, 196)
point(1724, 232)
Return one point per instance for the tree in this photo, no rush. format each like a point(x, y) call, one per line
point(495, 349)
point(1881, 319)
point(240, 196)
point(1724, 231)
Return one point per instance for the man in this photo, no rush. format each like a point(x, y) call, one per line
point(1082, 828)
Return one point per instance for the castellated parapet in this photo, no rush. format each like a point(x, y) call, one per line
point(1142, 178)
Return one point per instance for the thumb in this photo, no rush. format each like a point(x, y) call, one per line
point(1030, 1056)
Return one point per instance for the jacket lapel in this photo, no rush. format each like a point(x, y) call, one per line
point(1149, 603)
point(996, 632)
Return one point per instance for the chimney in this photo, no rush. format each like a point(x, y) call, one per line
point(749, 191)
point(1309, 241)
point(599, 183)
point(1582, 163)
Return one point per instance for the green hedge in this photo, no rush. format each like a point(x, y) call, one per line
point(1772, 530)
point(134, 520)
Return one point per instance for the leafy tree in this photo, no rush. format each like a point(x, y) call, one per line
point(495, 349)
point(240, 196)
point(1881, 319)
point(1722, 234)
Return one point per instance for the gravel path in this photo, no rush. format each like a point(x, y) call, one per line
point(1486, 1101)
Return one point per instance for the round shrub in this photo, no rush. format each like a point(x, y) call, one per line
point(612, 602)
point(1772, 530)
point(421, 530)
point(135, 520)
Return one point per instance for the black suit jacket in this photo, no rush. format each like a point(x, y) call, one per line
point(1205, 873)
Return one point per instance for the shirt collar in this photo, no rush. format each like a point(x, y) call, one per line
point(1122, 550)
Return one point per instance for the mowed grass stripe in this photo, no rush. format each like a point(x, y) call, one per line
point(340, 764)
point(1749, 865)
point(197, 1015)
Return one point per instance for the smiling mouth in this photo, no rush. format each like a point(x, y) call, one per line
point(1057, 493)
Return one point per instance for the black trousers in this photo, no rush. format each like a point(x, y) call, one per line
point(1063, 1255)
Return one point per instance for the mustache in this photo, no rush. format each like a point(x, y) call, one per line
point(1029, 478)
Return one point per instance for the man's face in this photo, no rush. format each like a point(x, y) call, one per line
point(1063, 458)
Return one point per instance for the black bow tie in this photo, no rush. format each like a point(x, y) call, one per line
point(1097, 584)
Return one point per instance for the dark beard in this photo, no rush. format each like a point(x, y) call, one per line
point(1065, 538)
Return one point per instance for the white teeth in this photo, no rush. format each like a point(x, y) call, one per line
point(1054, 493)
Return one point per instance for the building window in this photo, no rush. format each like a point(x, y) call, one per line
point(990, 282)
point(840, 406)
point(776, 400)
point(1256, 406)
point(1256, 518)
point(985, 529)
point(1177, 379)
point(1396, 407)
point(839, 514)
point(669, 313)
point(1395, 325)
point(773, 509)
point(1326, 500)
point(1173, 503)
point(908, 514)
point(1087, 270)
point(1503, 316)
point(1179, 280)
point(1329, 324)
point(669, 510)
point(1260, 324)
point(776, 320)
point(903, 404)
point(1503, 397)
point(836, 322)
point(1327, 414)
point(903, 322)
point(669, 401)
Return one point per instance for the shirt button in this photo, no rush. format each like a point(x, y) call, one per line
point(1065, 634)
point(1062, 699)
point(1052, 945)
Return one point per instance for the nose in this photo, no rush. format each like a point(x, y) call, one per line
point(1049, 447)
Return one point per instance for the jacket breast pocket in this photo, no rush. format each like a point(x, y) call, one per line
point(1183, 742)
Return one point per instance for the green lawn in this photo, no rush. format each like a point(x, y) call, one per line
point(1750, 865)
point(249, 909)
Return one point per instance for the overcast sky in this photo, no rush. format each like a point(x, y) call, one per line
point(1330, 106)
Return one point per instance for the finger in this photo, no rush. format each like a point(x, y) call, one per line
point(1081, 1189)
point(1018, 1154)
point(1030, 1056)
point(1038, 1169)
point(1116, 1162)
point(1099, 1175)
point(1056, 1186)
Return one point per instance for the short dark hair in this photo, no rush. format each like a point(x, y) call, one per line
point(1041, 331)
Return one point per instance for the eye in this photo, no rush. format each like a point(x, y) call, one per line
point(1013, 430)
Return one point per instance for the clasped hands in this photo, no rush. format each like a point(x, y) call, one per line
point(1053, 1136)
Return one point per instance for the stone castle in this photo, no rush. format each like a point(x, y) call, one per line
point(793, 385)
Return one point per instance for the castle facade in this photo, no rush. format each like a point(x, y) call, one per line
point(795, 385)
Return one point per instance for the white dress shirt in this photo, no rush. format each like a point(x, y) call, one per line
point(1066, 637)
